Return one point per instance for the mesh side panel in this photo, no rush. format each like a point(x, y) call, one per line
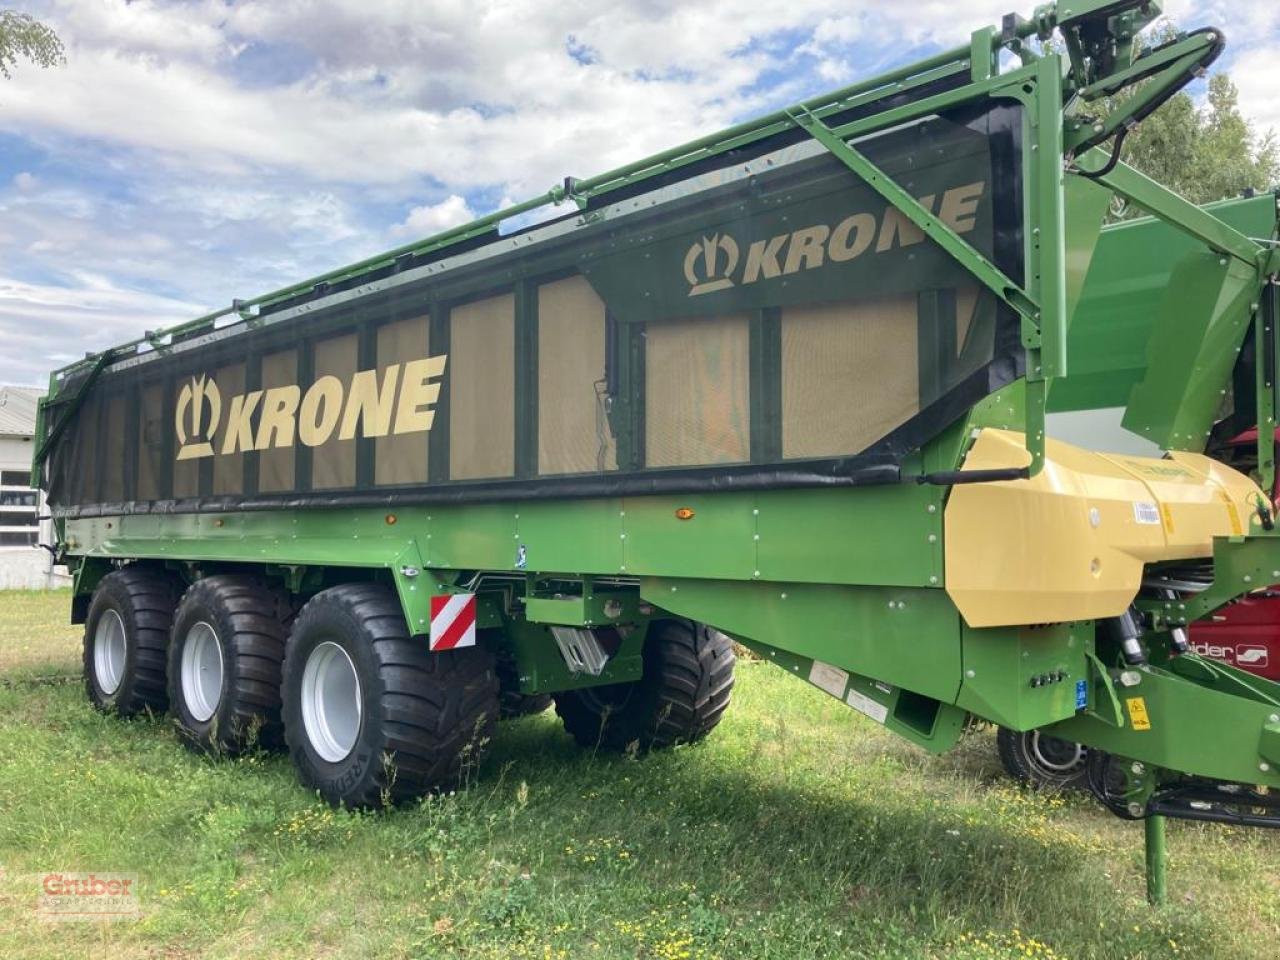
point(228, 469)
point(697, 401)
point(402, 459)
point(276, 464)
point(849, 375)
point(150, 441)
point(114, 439)
point(966, 306)
point(84, 462)
point(482, 389)
point(333, 461)
point(573, 433)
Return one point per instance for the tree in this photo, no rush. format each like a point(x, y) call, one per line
point(1206, 153)
point(22, 36)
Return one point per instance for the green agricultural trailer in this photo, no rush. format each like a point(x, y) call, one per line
point(784, 385)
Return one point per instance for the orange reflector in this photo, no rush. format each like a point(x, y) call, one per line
point(684, 513)
point(391, 519)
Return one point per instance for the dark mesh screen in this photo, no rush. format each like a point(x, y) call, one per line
point(775, 324)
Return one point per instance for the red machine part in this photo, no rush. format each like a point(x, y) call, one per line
point(1244, 634)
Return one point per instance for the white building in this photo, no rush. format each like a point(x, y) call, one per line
point(23, 563)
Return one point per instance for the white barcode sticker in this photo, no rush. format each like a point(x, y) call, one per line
point(826, 677)
point(864, 704)
point(1144, 512)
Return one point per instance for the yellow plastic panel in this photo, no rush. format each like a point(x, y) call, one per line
point(1071, 543)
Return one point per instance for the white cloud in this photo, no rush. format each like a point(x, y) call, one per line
point(470, 95)
point(1258, 81)
point(433, 218)
point(46, 325)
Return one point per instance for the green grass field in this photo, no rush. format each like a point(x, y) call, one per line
point(799, 829)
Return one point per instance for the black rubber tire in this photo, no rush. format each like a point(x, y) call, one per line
point(426, 717)
point(1040, 760)
point(250, 619)
point(144, 599)
point(683, 693)
point(511, 702)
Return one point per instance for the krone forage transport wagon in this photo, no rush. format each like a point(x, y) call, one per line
point(785, 384)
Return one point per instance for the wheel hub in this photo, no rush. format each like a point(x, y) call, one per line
point(331, 702)
point(109, 650)
point(202, 671)
point(1056, 754)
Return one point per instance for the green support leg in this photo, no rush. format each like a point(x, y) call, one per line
point(1156, 860)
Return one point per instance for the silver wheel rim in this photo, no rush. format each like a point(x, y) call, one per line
point(201, 671)
point(1044, 750)
point(109, 650)
point(331, 707)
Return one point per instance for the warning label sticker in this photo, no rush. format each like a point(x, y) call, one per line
point(826, 677)
point(1138, 713)
point(1144, 512)
point(864, 704)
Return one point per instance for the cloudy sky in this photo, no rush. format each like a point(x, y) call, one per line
point(192, 152)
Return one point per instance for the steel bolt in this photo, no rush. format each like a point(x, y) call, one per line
point(1264, 766)
point(970, 674)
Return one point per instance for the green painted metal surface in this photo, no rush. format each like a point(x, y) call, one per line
point(1181, 710)
point(831, 536)
point(1157, 861)
point(1119, 321)
point(1204, 315)
point(1025, 677)
point(906, 637)
point(541, 669)
point(926, 722)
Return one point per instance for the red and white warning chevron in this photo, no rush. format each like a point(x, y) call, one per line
point(453, 621)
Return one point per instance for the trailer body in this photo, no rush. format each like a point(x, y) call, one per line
point(788, 382)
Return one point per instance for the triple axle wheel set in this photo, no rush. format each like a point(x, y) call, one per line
point(368, 714)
